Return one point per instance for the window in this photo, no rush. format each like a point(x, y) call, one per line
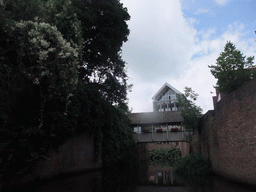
point(173, 96)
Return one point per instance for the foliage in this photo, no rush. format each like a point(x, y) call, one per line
point(163, 156)
point(118, 144)
point(192, 170)
point(104, 31)
point(61, 73)
point(38, 74)
point(190, 112)
point(230, 69)
point(193, 165)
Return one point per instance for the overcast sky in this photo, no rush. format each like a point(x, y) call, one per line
point(174, 41)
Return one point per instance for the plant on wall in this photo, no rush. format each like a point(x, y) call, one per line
point(163, 156)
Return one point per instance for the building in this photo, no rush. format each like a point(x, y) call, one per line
point(166, 99)
point(165, 115)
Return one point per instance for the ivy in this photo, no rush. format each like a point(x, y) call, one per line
point(163, 156)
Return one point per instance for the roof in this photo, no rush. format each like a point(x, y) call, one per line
point(155, 117)
point(162, 88)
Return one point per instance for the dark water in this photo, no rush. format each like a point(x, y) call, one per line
point(115, 179)
point(162, 178)
point(141, 179)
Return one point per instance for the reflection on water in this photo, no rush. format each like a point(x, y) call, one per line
point(88, 182)
point(115, 179)
point(162, 178)
point(157, 175)
point(124, 179)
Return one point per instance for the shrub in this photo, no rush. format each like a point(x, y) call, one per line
point(193, 170)
point(193, 165)
point(164, 156)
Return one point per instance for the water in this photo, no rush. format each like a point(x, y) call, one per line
point(146, 178)
point(162, 178)
point(115, 179)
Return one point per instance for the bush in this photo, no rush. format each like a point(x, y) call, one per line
point(164, 156)
point(193, 165)
point(193, 170)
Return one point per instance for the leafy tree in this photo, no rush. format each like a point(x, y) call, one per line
point(104, 32)
point(230, 69)
point(61, 73)
point(190, 112)
point(38, 74)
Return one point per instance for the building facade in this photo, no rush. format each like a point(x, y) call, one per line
point(166, 99)
point(165, 115)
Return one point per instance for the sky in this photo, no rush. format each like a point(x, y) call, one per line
point(174, 41)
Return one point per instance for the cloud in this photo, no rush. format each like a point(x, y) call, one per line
point(157, 38)
point(201, 11)
point(164, 46)
point(197, 74)
point(221, 2)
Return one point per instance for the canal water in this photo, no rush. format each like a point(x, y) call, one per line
point(144, 178)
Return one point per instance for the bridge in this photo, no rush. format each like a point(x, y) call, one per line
point(162, 137)
point(158, 127)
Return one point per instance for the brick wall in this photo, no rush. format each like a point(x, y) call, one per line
point(229, 135)
point(75, 155)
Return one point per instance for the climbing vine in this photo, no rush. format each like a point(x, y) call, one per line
point(167, 156)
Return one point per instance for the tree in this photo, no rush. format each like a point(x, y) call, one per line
point(230, 69)
point(190, 112)
point(104, 32)
point(61, 72)
point(39, 74)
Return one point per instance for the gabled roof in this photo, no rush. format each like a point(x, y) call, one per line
point(162, 88)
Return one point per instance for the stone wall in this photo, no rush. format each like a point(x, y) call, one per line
point(75, 155)
point(229, 135)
